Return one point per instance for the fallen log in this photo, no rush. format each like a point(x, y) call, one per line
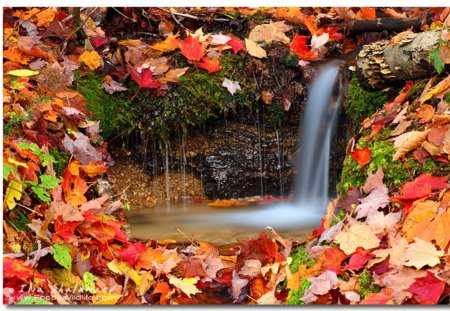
point(406, 57)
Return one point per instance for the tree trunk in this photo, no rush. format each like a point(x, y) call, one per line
point(381, 64)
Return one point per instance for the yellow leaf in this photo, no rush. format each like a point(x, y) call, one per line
point(408, 142)
point(22, 73)
point(422, 253)
point(91, 59)
point(254, 49)
point(146, 281)
point(185, 285)
point(13, 192)
point(419, 218)
point(118, 266)
point(44, 18)
point(437, 89)
point(17, 163)
point(131, 42)
point(105, 298)
point(356, 236)
point(270, 32)
point(63, 277)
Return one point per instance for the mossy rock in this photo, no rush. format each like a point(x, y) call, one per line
point(395, 172)
point(361, 104)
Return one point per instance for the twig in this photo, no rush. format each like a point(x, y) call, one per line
point(177, 21)
point(76, 30)
point(20, 24)
point(173, 12)
point(123, 15)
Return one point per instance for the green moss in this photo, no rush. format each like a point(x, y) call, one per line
point(295, 295)
point(395, 172)
point(361, 103)
point(366, 284)
point(115, 112)
point(290, 60)
point(61, 160)
point(338, 218)
point(447, 97)
point(300, 257)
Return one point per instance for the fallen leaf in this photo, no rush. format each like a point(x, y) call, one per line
point(211, 65)
point(401, 128)
point(173, 75)
point(132, 252)
point(376, 299)
point(427, 289)
point(219, 39)
point(356, 236)
point(143, 77)
point(81, 149)
point(374, 181)
point(186, 285)
point(113, 86)
point(45, 17)
point(399, 281)
point(377, 199)
point(321, 285)
point(408, 142)
point(90, 59)
point(251, 268)
point(254, 49)
point(13, 193)
point(436, 90)
point(361, 155)
point(236, 43)
point(422, 253)
point(425, 113)
point(366, 13)
point(270, 32)
point(163, 289)
point(22, 73)
point(231, 86)
point(358, 260)
point(192, 48)
point(298, 45)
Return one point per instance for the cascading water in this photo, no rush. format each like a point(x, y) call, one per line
point(311, 194)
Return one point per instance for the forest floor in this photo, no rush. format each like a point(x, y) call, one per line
point(65, 236)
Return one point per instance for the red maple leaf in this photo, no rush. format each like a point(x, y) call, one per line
point(211, 65)
point(132, 252)
point(298, 45)
point(262, 249)
point(235, 43)
point(361, 155)
point(99, 41)
point(358, 259)
point(427, 289)
point(143, 77)
point(192, 48)
point(420, 188)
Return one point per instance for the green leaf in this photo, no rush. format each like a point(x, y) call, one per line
point(22, 73)
point(49, 182)
point(62, 256)
point(7, 169)
point(436, 60)
point(89, 282)
point(41, 193)
point(44, 157)
point(31, 300)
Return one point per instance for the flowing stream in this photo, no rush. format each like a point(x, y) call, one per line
point(311, 193)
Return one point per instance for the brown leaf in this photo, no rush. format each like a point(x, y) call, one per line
point(408, 142)
point(374, 181)
point(425, 113)
point(401, 128)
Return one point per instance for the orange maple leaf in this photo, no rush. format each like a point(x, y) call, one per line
point(192, 48)
point(366, 13)
point(211, 65)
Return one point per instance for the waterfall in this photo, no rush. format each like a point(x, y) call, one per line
point(311, 193)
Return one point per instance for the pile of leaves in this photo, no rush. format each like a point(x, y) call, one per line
point(65, 238)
